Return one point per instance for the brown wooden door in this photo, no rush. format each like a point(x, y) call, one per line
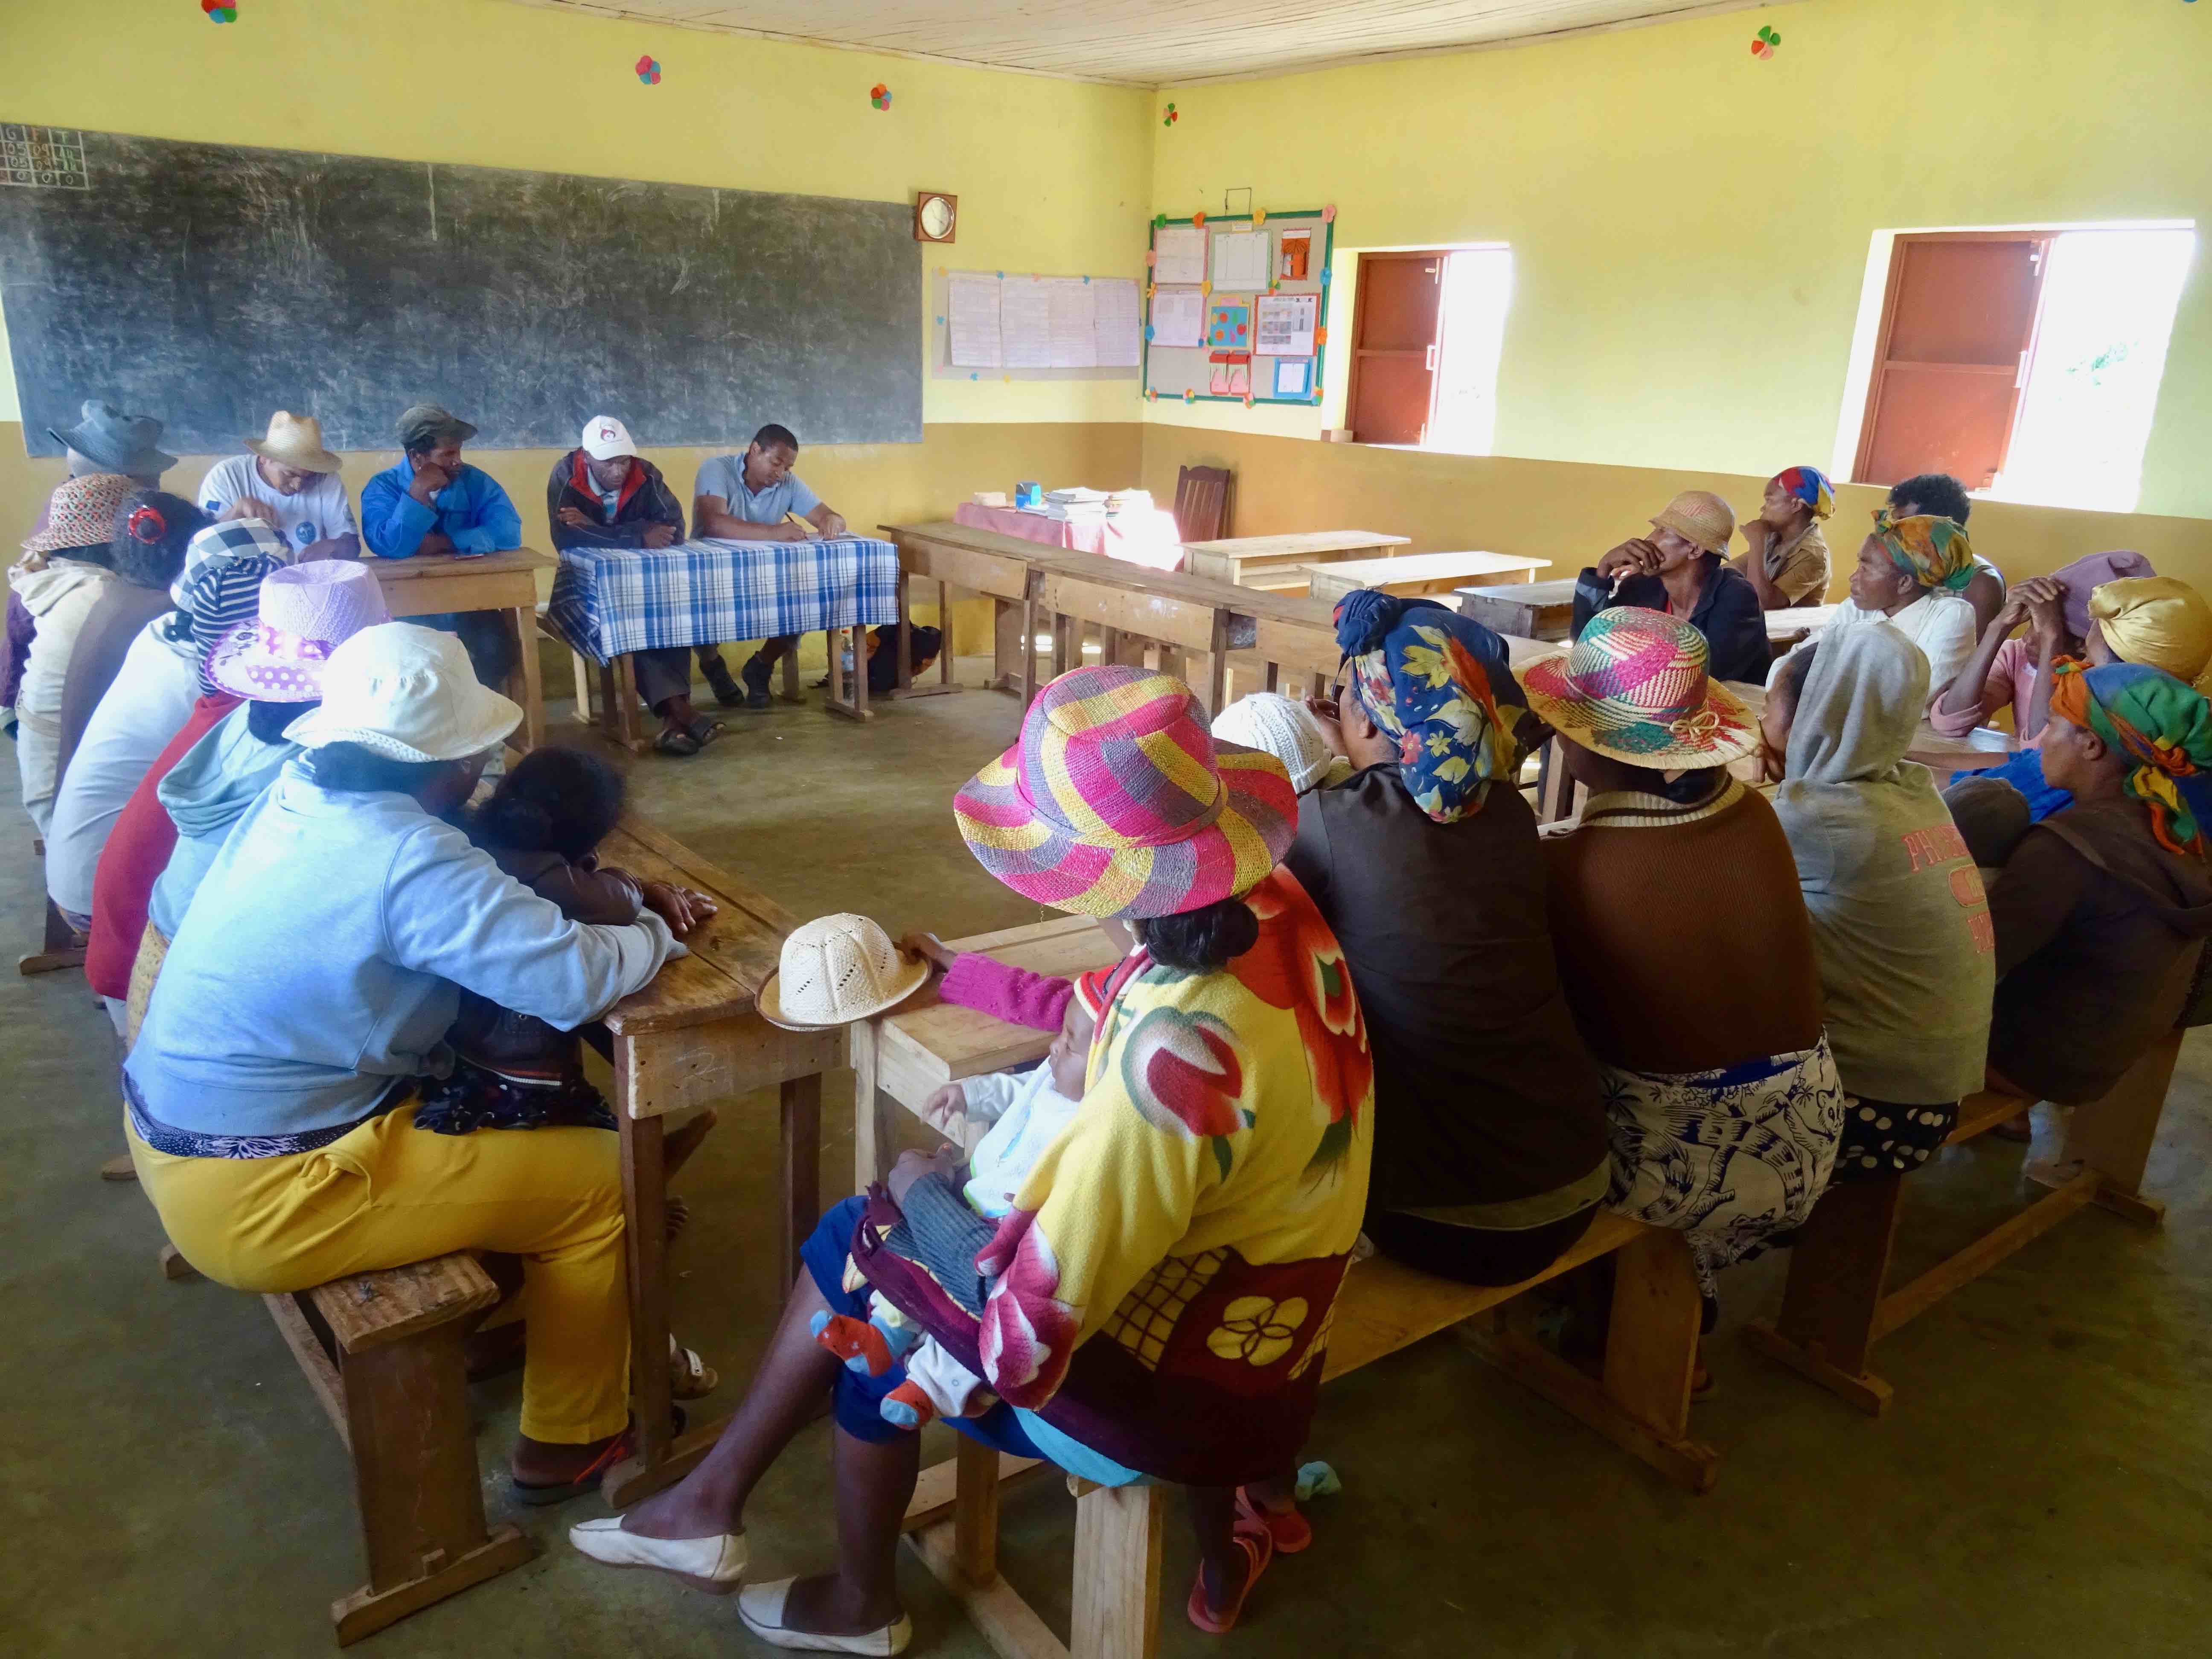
point(1957, 324)
point(1393, 389)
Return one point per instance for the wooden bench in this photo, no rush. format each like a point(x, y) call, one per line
point(1836, 1306)
point(1536, 611)
point(1279, 561)
point(1641, 1402)
point(383, 1353)
point(1411, 576)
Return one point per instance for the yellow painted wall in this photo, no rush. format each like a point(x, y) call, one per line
point(1571, 512)
point(1052, 176)
point(1690, 227)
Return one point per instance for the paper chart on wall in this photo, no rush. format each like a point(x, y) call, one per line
point(1074, 323)
point(972, 314)
point(1285, 323)
point(1242, 259)
point(1179, 254)
point(1025, 322)
point(1178, 316)
point(1294, 377)
point(1117, 335)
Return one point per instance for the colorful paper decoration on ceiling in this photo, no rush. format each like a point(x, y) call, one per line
point(1168, 119)
point(880, 95)
point(1763, 43)
point(219, 11)
point(648, 69)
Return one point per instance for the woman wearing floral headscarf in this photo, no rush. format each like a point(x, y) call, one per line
point(1157, 1302)
point(1910, 573)
point(2099, 910)
point(1787, 560)
point(1489, 1156)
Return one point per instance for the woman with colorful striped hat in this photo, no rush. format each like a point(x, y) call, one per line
point(1156, 1303)
point(1698, 992)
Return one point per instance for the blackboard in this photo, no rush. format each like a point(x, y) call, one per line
point(210, 284)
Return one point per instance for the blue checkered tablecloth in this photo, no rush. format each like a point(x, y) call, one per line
point(613, 600)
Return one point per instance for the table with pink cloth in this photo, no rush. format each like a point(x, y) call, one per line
point(1149, 539)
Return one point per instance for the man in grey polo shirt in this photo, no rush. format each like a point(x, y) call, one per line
point(752, 498)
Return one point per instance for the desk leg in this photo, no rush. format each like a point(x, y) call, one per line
point(580, 665)
point(874, 1113)
point(802, 1169)
point(645, 1221)
point(945, 680)
point(848, 690)
point(530, 689)
point(791, 688)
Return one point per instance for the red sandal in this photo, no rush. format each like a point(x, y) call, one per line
point(1258, 1549)
point(1290, 1530)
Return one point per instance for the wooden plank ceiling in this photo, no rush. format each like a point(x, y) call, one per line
point(1151, 43)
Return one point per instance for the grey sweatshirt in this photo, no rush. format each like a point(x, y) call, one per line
point(1901, 923)
point(205, 793)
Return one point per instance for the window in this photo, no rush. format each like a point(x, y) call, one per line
point(2025, 362)
point(1427, 333)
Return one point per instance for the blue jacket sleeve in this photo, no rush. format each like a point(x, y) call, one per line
point(393, 522)
point(450, 910)
point(1735, 631)
point(498, 526)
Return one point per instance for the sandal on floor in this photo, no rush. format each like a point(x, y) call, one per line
point(679, 1217)
point(119, 1168)
point(689, 1377)
point(2019, 1130)
point(1258, 1549)
point(690, 739)
point(761, 1606)
point(716, 1564)
point(1289, 1529)
point(621, 1446)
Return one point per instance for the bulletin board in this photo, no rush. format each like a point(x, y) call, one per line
point(1252, 288)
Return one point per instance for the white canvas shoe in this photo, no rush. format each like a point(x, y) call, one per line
point(761, 1609)
point(715, 1565)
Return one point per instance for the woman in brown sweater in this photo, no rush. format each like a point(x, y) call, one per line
point(1684, 947)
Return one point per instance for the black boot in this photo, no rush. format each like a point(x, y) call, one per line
point(758, 672)
point(727, 692)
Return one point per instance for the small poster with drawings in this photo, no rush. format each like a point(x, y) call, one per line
point(1286, 324)
point(1294, 377)
point(1231, 373)
point(1294, 256)
point(1229, 325)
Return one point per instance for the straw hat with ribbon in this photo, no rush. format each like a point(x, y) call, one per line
point(836, 970)
point(295, 440)
point(1700, 517)
point(1635, 688)
point(1117, 802)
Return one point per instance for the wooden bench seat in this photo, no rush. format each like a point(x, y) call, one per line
point(384, 1354)
point(1838, 1305)
point(1411, 576)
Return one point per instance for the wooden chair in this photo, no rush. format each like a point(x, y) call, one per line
point(384, 1353)
point(1201, 502)
point(1835, 1306)
point(1641, 1403)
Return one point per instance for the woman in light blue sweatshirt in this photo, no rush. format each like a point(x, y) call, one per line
point(269, 1093)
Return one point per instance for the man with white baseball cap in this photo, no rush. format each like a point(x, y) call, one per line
point(602, 494)
point(270, 1096)
point(291, 483)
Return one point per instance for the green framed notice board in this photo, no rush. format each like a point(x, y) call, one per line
point(1237, 306)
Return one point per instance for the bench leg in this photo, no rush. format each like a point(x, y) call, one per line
point(1117, 1573)
point(875, 1114)
point(60, 946)
point(1837, 1272)
point(415, 1478)
point(2113, 1136)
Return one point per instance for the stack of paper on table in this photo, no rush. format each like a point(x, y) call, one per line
point(1077, 504)
point(1129, 501)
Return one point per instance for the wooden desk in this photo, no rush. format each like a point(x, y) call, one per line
point(436, 584)
point(1984, 747)
point(1411, 576)
point(1233, 560)
point(689, 1039)
point(986, 563)
point(908, 1055)
point(1794, 623)
point(1536, 611)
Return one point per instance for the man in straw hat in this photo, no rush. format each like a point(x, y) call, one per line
point(1682, 568)
point(434, 502)
point(291, 483)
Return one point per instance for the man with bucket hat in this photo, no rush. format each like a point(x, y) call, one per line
point(1681, 568)
point(290, 483)
point(105, 439)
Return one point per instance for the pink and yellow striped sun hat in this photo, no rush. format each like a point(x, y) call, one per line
point(1635, 687)
point(1117, 801)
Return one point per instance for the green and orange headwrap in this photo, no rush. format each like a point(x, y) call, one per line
point(1933, 551)
point(2162, 726)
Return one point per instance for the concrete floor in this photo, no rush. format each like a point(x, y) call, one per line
point(2042, 1487)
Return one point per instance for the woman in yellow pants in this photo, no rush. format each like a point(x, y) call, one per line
point(315, 974)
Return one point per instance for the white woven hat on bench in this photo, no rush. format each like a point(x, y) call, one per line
point(837, 969)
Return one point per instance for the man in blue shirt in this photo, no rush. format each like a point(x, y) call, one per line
point(749, 498)
point(433, 502)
